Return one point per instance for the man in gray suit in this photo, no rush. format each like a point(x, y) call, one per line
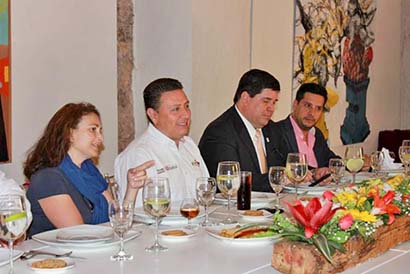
point(241, 133)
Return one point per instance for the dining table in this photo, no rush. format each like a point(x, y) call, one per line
point(201, 252)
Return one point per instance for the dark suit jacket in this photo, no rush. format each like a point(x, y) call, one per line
point(227, 138)
point(284, 142)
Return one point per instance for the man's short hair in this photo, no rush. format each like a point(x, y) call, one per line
point(154, 90)
point(312, 88)
point(254, 81)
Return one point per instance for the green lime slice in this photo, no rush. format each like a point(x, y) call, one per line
point(354, 164)
point(15, 217)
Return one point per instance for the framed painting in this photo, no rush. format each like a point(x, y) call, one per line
point(5, 92)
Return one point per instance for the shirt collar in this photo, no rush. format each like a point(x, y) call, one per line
point(161, 137)
point(251, 129)
point(299, 131)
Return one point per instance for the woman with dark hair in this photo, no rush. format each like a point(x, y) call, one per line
point(65, 186)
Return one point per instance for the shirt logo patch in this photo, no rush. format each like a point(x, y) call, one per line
point(166, 168)
point(195, 163)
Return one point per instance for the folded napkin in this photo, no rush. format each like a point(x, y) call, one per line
point(388, 161)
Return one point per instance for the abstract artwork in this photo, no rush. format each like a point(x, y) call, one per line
point(5, 96)
point(333, 47)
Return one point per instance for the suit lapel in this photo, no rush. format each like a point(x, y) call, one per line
point(290, 136)
point(244, 137)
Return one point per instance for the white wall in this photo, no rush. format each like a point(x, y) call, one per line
point(62, 51)
point(163, 48)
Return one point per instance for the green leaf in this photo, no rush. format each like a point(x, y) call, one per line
point(321, 242)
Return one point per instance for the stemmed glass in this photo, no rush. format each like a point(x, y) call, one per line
point(205, 193)
point(189, 209)
point(354, 160)
point(157, 200)
point(404, 153)
point(121, 216)
point(277, 179)
point(376, 161)
point(13, 221)
point(296, 168)
point(228, 177)
point(405, 143)
point(337, 169)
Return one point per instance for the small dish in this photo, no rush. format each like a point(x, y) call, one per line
point(70, 264)
point(188, 234)
point(255, 218)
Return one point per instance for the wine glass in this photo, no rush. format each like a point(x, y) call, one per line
point(354, 160)
point(157, 200)
point(277, 179)
point(121, 216)
point(404, 153)
point(376, 161)
point(228, 177)
point(205, 193)
point(337, 169)
point(13, 221)
point(189, 209)
point(296, 168)
point(405, 143)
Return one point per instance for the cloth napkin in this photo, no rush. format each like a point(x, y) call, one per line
point(388, 161)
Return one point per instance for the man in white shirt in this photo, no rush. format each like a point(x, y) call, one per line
point(165, 141)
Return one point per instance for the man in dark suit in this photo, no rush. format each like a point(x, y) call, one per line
point(241, 133)
point(297, 133)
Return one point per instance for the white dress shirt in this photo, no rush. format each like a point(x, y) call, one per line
point(252, 133)
point(181, 164)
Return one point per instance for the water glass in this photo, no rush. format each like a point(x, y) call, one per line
point(205, 194)
point(156, 196)
point(228, 178)
point(121, 216)
point(277, 179)
point(13, 221)
point(376, 161)
point(404, 153)
point(354, 160)
point(337, 169)
point(296, 168)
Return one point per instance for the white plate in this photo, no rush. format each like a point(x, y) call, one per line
point(173, 218)
point(190, 233)
point(4, 255)
point(249, 218)
point(85, 234)
point(70, 264)
point(50, 238)
point(214, 232)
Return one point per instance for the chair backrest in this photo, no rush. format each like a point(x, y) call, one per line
point(392, 139)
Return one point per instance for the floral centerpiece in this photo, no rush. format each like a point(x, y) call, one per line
point(357, 210)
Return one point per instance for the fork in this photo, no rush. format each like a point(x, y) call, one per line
point(30, 254)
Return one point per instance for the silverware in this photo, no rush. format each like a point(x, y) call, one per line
point(30, 254)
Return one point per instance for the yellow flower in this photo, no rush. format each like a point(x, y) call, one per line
point(346, 197)
point(364, 216)
point(395, 181)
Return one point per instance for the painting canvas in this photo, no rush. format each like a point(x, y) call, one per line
point(333, 47)
point(5, 93)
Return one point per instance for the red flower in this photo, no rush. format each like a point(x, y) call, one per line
point(313, 216)
point(384, 205)
point(328, 195)
point(346, 221)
